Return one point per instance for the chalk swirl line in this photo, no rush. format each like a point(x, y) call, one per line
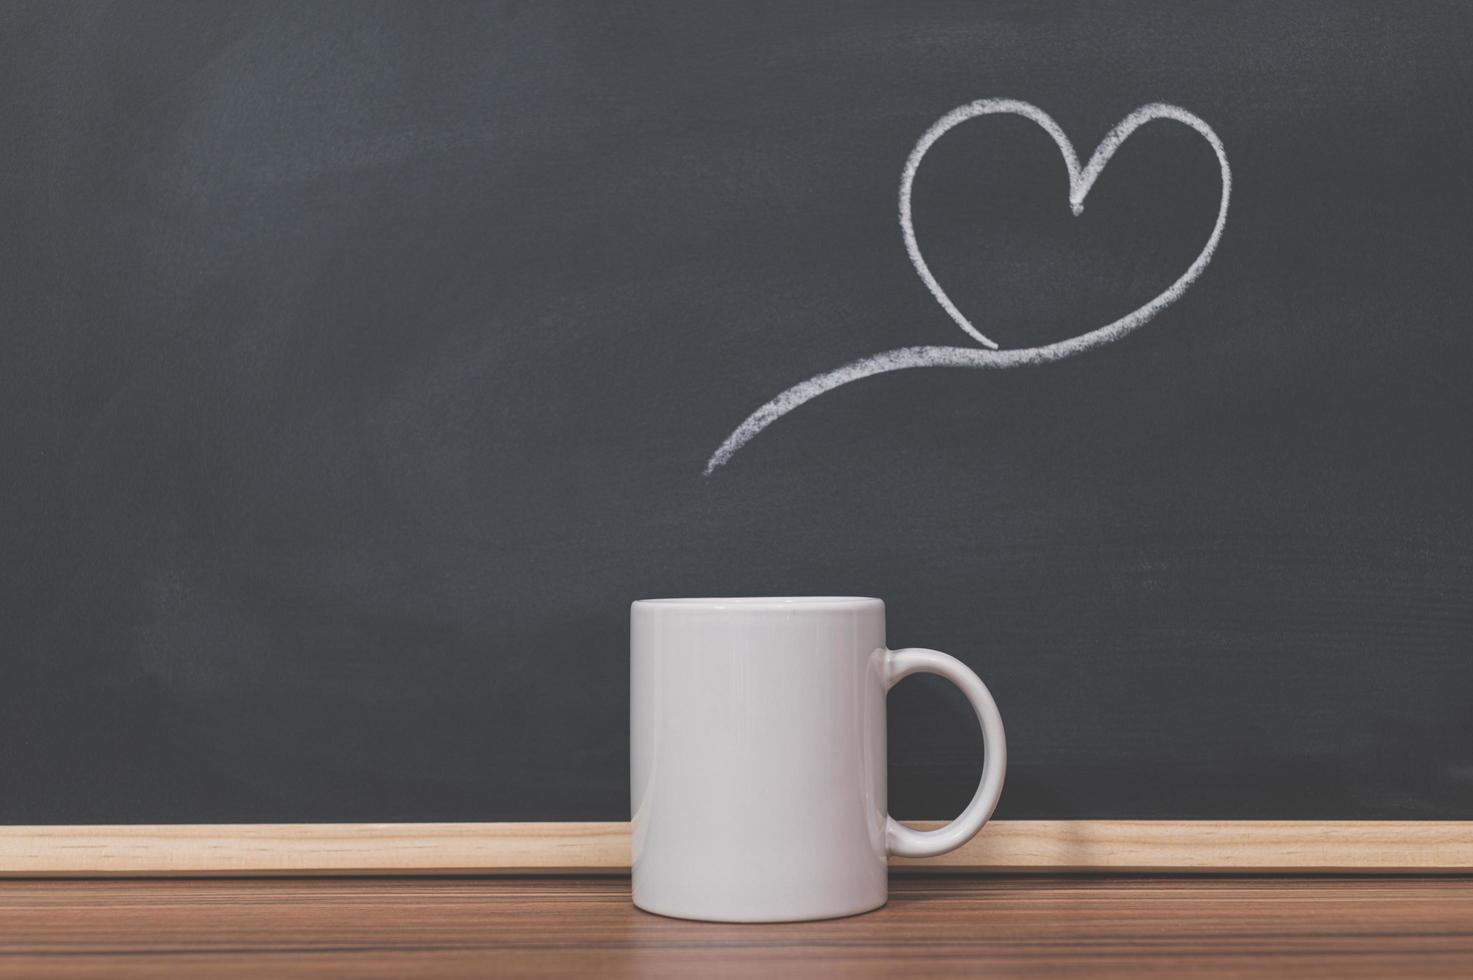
point(989, 355)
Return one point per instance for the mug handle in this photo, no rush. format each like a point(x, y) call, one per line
point(904, 841)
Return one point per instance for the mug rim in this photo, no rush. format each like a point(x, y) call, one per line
point(789, 603)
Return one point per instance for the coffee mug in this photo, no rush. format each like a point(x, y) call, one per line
point(757, 757)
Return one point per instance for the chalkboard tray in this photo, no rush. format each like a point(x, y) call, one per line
point(1012, 846)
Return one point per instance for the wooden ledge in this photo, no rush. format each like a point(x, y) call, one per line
point(1161, 846)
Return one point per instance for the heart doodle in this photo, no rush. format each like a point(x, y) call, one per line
point(989, 355)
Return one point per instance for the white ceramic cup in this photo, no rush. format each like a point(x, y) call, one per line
point(757, 757)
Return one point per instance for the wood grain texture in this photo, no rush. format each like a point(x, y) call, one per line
point(546, 848)
point(933, 926)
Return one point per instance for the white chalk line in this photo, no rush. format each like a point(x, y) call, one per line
point(1080, 182)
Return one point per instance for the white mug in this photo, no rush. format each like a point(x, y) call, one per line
point(757, 757)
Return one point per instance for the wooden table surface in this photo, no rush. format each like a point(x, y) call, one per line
point(933, 926)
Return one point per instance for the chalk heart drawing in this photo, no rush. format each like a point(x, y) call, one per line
point(988, 355)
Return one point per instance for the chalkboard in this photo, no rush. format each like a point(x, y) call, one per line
point(361, 363)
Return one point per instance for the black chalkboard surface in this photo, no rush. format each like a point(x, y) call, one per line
point(362, 362)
